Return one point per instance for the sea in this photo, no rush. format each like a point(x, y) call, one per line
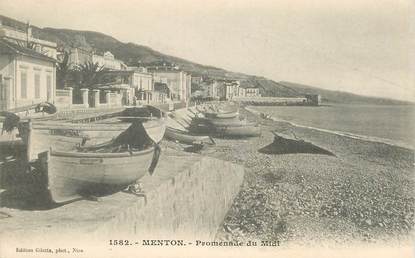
point(391, 124)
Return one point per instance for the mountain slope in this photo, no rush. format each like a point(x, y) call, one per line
point(330, 96)
point(131, 52)
point(128, 52)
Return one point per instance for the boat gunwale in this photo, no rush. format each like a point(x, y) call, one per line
point(100, 155)
point(186, 133)
point(221, 115)
point(217, 123)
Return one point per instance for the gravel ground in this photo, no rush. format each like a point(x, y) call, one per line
point(364, 193)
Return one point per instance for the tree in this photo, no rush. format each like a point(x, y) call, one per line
point(63, 71)
point(90, 74)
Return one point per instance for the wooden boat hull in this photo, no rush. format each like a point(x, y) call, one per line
point(36, 111)
point(221, 115)
point(65, 136)
point(10, 145)
point(64, 139)
point(156, 129)
point(220, 122)
point(249, 130)
point(186, 137)
point(71, 175)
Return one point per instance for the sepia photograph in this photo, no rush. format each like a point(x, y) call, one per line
point(221, 128)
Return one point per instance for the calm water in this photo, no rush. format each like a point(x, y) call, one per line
point(395, 124)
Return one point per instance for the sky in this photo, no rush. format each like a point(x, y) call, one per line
point(364, 47)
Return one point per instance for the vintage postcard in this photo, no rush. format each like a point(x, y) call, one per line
point(222, 128)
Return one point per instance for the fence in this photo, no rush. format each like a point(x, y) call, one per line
point(115, 99)
point(64, 98)
point(85, 98)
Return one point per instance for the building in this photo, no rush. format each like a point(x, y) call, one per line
point(107, 60)
point(232, 89)
point(21, 34)
point(78, 55)
point(179, 83)
point(26, 76)
point(138, 82)
point(197, 79)
point(248, 90)
point(188, 89)
point(160, 65)
point(142, 82)
point(228, 89)
point(211, 88)
point(140, 78)
point(161, 92)
point(313, 99)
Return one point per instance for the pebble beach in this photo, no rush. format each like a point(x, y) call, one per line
point(364, 193)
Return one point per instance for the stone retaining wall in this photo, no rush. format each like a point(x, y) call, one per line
point(187, 197)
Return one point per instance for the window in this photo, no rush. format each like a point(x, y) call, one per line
point(23, 84)
point(37, 85)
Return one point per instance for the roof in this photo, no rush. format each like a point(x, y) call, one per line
point(13, 48)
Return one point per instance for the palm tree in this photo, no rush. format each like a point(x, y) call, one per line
point(89, 74)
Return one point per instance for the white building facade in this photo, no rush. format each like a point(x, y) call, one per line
point(179, 83)
point(26, 77)
point(108, 60)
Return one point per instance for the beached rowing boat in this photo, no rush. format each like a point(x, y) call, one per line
point(211, 111)
point(39, 111)
point(11, 121)
point(238, 129)
point(64, 136)
point(101, 169)
point(186, 137)
point(221, 115)
point(248, 130)
point(219, 122)
point(75, 175)
point(154, 120)
point(11, 118)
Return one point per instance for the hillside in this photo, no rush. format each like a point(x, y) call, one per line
point(330, 96)
point(128, 52)
point(131, 52)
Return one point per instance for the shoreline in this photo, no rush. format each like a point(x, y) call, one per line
point(363, 194)
point(340, 133)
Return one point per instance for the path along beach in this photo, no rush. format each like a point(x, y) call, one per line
point(365, 193)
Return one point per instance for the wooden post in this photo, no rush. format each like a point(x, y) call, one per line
point(29, 141)
point(43, 161)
